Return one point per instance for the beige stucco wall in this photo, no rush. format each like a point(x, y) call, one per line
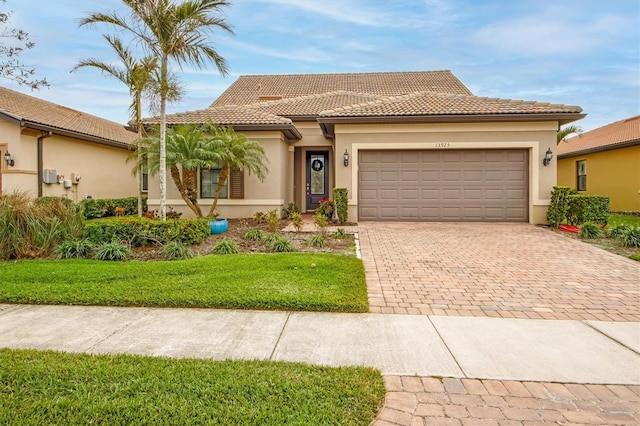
point(103, 169)
point(535, 137)
point(614, 173)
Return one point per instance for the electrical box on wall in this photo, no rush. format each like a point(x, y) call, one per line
point(67, 183)
point(49, 176)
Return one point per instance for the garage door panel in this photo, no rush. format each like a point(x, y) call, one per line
point(445, 185)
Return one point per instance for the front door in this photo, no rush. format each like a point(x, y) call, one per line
point(317, 178)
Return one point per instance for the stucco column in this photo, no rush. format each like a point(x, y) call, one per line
point(290, 174)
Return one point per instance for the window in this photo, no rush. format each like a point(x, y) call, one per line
point(581, 168)
point(144, 178)
point(233, 187)
point(208, 183)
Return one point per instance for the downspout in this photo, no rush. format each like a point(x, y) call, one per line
point(41, 160)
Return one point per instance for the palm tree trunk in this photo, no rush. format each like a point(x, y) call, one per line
point(163, 138)
point(139, 125)
point(184, 187)
point(222, 178)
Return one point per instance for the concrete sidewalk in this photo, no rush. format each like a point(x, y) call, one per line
point(593, 352)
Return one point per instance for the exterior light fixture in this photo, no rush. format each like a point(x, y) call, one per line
point(8, 159)
point(345, 157)
point(547, 157)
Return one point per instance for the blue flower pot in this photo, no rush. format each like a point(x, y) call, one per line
point(219, 226)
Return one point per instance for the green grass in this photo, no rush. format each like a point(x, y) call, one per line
point(39, 388)
point(284, 281)
point(635, 257)
point(618, 219)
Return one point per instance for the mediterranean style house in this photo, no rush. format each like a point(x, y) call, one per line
point(408, 146)
point(50, 150)
point(605, 161)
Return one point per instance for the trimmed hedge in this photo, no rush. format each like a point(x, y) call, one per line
point(588, 208)
point(342, 204)
point(142, 231)
point(559, 206)
point(105, 207)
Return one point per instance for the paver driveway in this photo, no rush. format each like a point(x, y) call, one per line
point(494, 269)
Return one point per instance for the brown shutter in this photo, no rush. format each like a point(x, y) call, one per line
point(236, 184)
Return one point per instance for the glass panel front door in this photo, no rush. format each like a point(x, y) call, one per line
point(317, 178)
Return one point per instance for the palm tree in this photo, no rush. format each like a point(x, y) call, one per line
point(564, 132)
point(187, 151)
point(170, 30)
point(234, 151)
point(138, 76)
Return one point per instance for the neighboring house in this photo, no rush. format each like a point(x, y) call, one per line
point(408, 146)
point(57, 151)
point(605, 161)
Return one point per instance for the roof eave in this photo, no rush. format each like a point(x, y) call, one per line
point(75, 135)
point(290, 131)
point(599, 149)
point(328, 123)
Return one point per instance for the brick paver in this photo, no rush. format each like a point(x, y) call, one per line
point(494, 270)
point(407, 403)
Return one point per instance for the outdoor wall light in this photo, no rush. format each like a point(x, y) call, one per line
point(547, 157)
point(345, 156)
point(8, 159)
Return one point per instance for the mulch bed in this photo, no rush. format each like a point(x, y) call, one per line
point(236, 231)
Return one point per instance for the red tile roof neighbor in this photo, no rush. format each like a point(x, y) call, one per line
point(615, 135)
point(37, 113)
point(248, 89)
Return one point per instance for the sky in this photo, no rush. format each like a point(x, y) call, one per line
point(573, 52)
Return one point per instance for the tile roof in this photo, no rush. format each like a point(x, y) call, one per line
point(430, 103)
point(226, 115)
point(57, 117)
point(311, 105)
point(620, 133)
point(248, 89)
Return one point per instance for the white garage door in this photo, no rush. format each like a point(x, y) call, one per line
point(446, 185)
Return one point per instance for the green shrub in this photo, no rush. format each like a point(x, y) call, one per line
point(259, 217)
point(105, 207)
point(225, 247)
point(618, 231)
point(590, 230)
point(176, 250)
point(317, 241)
point(74, 249)
point(114, 251)
point(274, 221)
point(269, 238)
point(33, 228)
point(587, 208)
point(322, 221)
point(142, 231)
point(290, 210)
point(340, 196)
point(635, 257)
point(296, 219)
point(559, 206)
point(280, 245)
point(254, 235)
point(631, 238)
point(340, 234)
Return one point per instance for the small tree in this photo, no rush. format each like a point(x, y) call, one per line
point(10, 66)
point(234, 151)
point(566, 131)
point(187, 151)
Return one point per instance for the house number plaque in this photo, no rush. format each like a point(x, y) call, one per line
point(443, 145)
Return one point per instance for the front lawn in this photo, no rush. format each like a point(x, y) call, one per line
point(55, 388)
point(623, 219)
point(283, 281)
